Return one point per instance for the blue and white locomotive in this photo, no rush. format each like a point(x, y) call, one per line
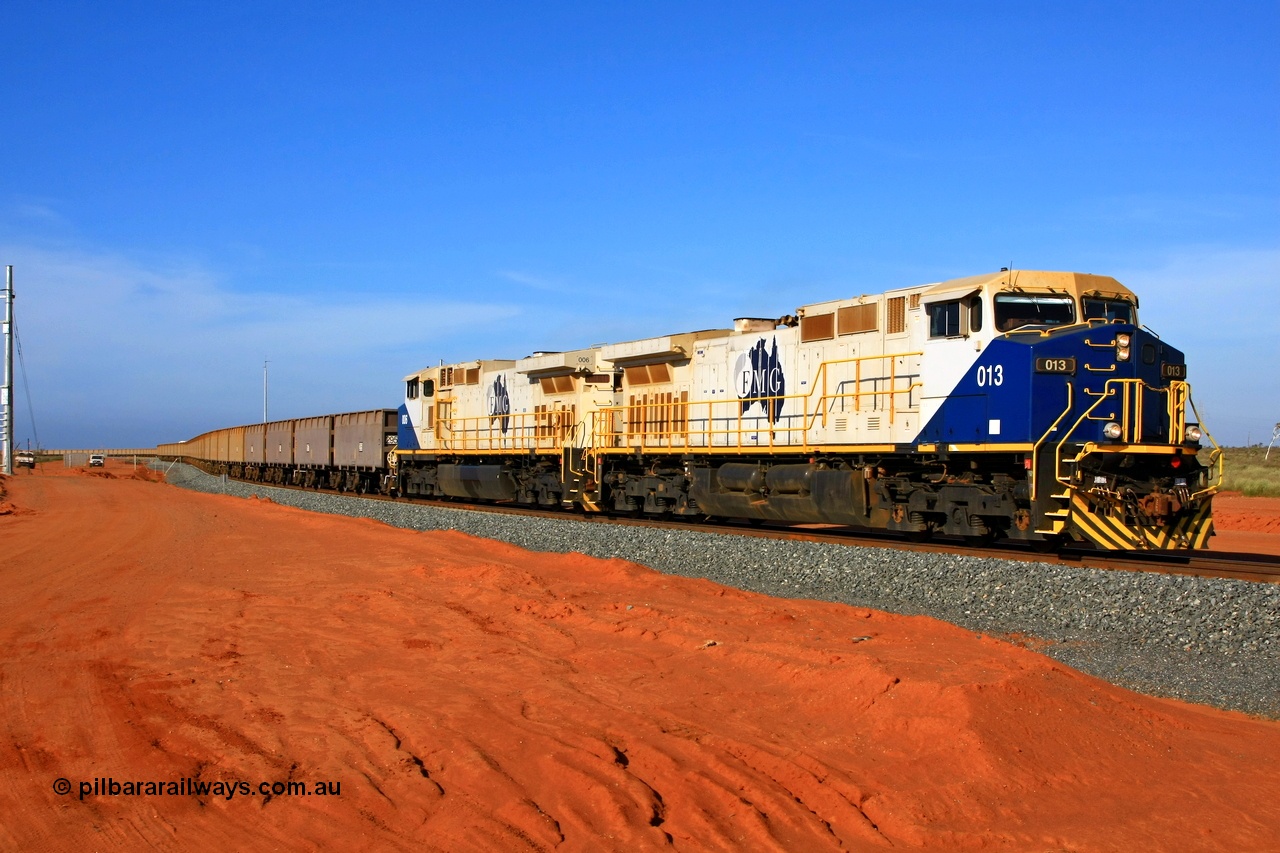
point(1019, 404)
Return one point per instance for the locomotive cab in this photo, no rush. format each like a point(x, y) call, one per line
point(1096, 408)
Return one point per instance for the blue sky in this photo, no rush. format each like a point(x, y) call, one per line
point(355, 191)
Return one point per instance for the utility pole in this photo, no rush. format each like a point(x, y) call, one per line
point(264, 390)
point(6, 391)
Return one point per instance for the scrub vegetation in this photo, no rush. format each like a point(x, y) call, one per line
point(1247, 472)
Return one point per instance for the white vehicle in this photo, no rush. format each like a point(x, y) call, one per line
point(97, 460)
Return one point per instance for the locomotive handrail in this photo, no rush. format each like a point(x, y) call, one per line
point(1047, 331)
point(858, 395)
point(676, 418)
point(1035, 450)
point(616, 426)
point(1177, 395)
point(1176, 408)
point(1215, 455)
point(525, 431)
point(1132, 396)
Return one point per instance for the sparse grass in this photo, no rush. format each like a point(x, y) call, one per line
point(1246, 472)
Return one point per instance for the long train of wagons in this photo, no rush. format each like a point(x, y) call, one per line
point(1020, 404)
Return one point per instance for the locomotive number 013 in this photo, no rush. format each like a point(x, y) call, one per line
point(990, 374)
point(1056, 365)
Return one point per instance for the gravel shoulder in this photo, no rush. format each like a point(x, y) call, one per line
point(1209, 641)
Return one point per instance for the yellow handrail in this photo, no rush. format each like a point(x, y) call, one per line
point(1215, 455)
point(1130, 392)
point(1035, 450)
point(524, 431)
point(613, 434)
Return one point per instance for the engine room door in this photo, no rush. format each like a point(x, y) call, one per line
point(808, 384)
point(706, 396)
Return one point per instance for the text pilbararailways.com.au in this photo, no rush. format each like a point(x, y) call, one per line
point(107, 786)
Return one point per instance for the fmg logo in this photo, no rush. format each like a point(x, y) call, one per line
point(499, 403)
point(758, 378)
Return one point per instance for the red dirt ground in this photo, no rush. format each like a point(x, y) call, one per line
point(1246, 525)
point(469, 695)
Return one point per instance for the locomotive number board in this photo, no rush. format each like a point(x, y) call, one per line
point(1173, 371)
point(1056, 365)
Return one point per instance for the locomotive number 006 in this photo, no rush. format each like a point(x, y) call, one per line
point(991, 374)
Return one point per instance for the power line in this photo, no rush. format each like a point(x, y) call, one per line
point(26, 386)
point(6, 390)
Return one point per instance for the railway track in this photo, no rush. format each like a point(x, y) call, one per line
point(1261, 568)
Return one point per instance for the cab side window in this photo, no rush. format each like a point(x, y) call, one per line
point(955, 318)
point(944, 319)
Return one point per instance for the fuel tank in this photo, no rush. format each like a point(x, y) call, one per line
point(487, 482)
point(805, 493)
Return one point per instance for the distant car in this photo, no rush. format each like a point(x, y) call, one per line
point(97, 460)
point(24, 459)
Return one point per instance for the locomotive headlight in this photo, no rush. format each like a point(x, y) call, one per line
point(1111, 430)
point(1122, 346)
point(1193, 433)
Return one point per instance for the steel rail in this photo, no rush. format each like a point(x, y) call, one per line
point(1261, 568)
